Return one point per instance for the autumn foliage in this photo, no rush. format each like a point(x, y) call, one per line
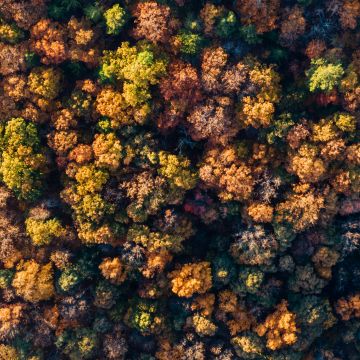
point(179, 180)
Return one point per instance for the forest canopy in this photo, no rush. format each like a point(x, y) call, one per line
point(179, 179)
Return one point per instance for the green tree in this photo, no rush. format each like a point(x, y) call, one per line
point(190, 43)
point(141, 65)
point(226, 25)
point(79, 344)
point(323, 75)
point(144, 316)
point(22, 162)
point(115, 18)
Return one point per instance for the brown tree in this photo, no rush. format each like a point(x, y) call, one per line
point(153, 22)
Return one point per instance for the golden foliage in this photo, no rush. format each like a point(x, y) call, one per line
point(223, 169)
point(8, 353)
point(34, 282)
point(203, 326)
point(257, 110)
point(260, 212)
point(306, 164)
point(11, 317)
point(156, 262)
point(279, 328)
point(45, 82)
point(107, 150)
point(113, 270)
point(302, 210)
point(191, 279)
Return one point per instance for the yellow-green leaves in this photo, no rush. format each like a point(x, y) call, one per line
point(115, 18)
point(177, 170)
point(324, 76)
point(22, 162)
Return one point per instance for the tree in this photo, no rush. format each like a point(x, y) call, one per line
point(324, 259)
point(48, 40)
point(25, 14)
point(260, 212)
point(306, 164)
point(248, 345)
point(115, 346)
point(22, 163)
point(81, 45)
point(136, 69)
point(349, 12)
point(314, 316)
point(177, 171)
point(218, 21)
point(181, 87)
point(301, 210)
point(140, 65)
point(188, 43)
point(107, 150)
point(191, 279)
point(144, 316)
point(223, 170)
point(323, 75)
point(115, 18)
point(79, 344)
point(153, 21)
point(147, 194)
point(213, 120)
point(113, 270)
point(262, 14)
point(293, 24)
point(12, 58)
point(258, 108)
point(8, 352)
point(42, 232)
point(231, 310)
point(11, 317)
point(219, 76)
point(10, 33)
point(45, 82)
point(254, 247)
point(306, 281)
point(203, 326)
point(279, 327)
point(34, 282)
point(348, 307)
